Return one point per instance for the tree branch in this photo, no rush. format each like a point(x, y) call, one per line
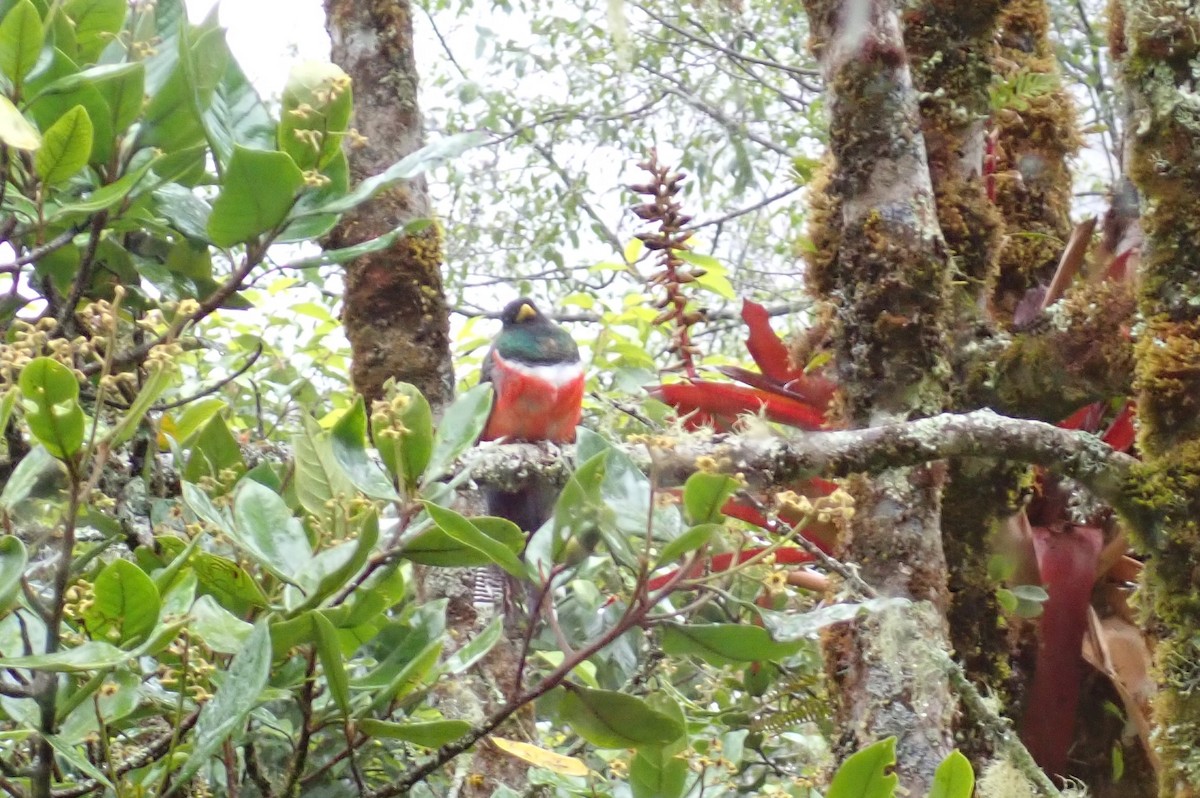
point(782, 459)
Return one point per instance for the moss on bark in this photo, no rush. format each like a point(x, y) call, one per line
point(1161, 70)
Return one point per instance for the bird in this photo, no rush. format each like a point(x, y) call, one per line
point(535, 371)
point(537, 378)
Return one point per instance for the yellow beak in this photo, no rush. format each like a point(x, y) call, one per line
point(526, 312)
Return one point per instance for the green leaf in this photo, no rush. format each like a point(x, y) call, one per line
point(316, 112)
point(76, 758)
point(126, 605)
point(429, 734)
point(461, 426)
point(13, 559)
point(330, 257)
point(106, 197)
point(90, 656)
point(319, 478)
point(123, 87)
point(66, 147)
point(259, 189)
point(15, 129)
point(435, 547)
point(705, 494)
point(214, 450)
point(21, 38)
point(656, 774)
point(266, 529)
point(227, 711)
point(332, 568)
point(410, 677)
point(866, 774)
point(180, 80)
point(331, 662)
point(609, 719)
point(96, 22)
point(236, 115)
point(724, 643)
point(30, 477)
point(428, 157)
point(690, 540)
point(467, 533)
point(476, 649)
point(196, 500)
point(405, 443)
point(350, 450)
point(954, 778)
point(152, 388)
point(219, 628)
point(51, 403)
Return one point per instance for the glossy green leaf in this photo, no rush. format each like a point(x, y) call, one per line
point(236, 698)
point(90, 656)
point(96, 23)
point(332, 568)
point(461, 426)
point(656, 774)
point(37, 471)
point(66, 147)
point(330, 655)
point(107, 196)
point(203, 508)
point(76, 757)
point(156, 382)
point(181, 82)
point(13, 559)
point(476, 649)
point(724, 643)
point(405, 442)
point(123, 87)
point(954, 778)
point(213, 450)
point(51, 403)
point(259, 189)
point(608, 719)
point(316, 112)
point(21, 38)
point(435, 547)
point(116, 697)
point(689, 541)
point(408, 638)
point(428, 157)
point(235, 115)
point(267, 530)
point(349, 439)
point(705, 494)
point(219, 628)
point(126, 605)
point(15, 130)
point(319, 478)
point(867, 773)
point(414, 674)
point(429, 734)
point(461, 529)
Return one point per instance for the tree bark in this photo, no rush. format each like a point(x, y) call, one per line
point(890, 275)
point(1163, 37)
point(395, 310)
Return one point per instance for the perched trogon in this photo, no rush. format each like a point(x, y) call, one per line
point(537, 376)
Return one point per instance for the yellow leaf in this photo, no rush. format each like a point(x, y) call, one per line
point(633, 250)
point(540, 757)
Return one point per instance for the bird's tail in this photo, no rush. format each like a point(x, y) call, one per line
point(528, 507)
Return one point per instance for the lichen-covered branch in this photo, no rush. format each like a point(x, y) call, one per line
point(767, 461)
point(1160, 71)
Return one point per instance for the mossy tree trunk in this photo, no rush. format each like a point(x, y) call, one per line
point(1034, 138)
point(395, 309)
point(1160, 71)
point(397, 320)
point(890, 278)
